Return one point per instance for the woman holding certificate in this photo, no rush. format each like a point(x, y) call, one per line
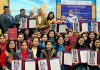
point(51, 20)
point(97, 48)
point(79, 45)
point(8, 55)
point(48, 52)
point(60, 48)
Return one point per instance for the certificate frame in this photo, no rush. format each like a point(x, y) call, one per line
point(68, 58)
point(42, 64)
point(30, 65)
point(76, 27)
point(84, 27)
point(61, 28)
point(16, 65)
point(84, 56)
point(23, 23)
point(60, 56)
point(12, 33)
point(55, 64)
point(75, 56)
point(92, 58)
point(31, 21)
point(94, 26)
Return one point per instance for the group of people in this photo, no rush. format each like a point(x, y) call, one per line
point(32, 43)
point(41, 45)
point(42, 21)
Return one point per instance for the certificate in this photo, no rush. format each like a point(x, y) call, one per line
point(30, 65)
point(53, 27)
point(12, 33)
point(55, 64)
point(62, 28)
point(76, 27)
point(84, 27)
point(60, 56)
point(42, 64)
point(75, 58)
point(16, 65)
point(84, 56)
point(68, 59)
point(32, 23)
point(94, 26)
point(23, 23)
point(92, 58)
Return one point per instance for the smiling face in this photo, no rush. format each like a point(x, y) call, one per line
point(97, 43)
point(81, 41)
point(51, 34)
point(35, 42)
point(44, 38)
point(12, 45)
point(91, 35)
point(2, 39)
point(48, 45)
point(24, 46)
point(20, 38)
point(60, 41)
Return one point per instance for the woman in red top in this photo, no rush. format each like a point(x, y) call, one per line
point(66, 43)
point(24, 53)
point(8, 55)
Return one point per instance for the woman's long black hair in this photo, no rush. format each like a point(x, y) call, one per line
point(7, 46)
point(94, 44)
point(48, 18)
point(78, 46)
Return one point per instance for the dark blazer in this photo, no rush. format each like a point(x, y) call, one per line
point(19, 54)
point(18, 18)
point(6, 21)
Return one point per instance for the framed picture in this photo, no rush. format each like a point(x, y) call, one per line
point(60, 56)
point(12, 33)
point(68, 58)
point(75, 56)
point(23, 23)
point(84, 27)
point(94, 26)
point(62, 28)
point(53, 27)
point(30, 65)
point(16, 65)
point(32, 23)
point(84, 56)
point(92, 58)
point(42, 64)
point(76, 27)
point(55, 64)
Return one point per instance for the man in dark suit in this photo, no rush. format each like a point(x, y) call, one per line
point(20, 16)
point(6, 19)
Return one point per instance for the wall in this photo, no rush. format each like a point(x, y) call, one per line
point(2, 4)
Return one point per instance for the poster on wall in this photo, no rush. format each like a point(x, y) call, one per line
point(79, 10)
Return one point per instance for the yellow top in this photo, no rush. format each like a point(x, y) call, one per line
point(0, 31)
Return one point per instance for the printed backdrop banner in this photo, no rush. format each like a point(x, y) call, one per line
point(84, 12)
